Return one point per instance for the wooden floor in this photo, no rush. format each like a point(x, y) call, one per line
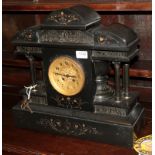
point(27, 142)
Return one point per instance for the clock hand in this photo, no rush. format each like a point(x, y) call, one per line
point(66, 75)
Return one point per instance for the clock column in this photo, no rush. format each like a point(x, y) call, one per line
point(32, 68)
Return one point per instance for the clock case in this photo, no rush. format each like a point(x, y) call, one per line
point(94, 113)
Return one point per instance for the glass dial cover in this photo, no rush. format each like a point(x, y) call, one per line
point(66, 75)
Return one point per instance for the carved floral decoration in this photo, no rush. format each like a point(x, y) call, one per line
point(68, 127)
point(63, 18)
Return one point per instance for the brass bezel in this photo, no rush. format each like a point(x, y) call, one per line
point(66, 75)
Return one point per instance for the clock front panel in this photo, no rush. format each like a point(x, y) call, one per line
point(69, 80)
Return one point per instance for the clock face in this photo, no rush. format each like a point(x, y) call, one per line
point(66, 75)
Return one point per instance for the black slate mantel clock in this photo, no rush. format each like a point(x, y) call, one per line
point(75, 97)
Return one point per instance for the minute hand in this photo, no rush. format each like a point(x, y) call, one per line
point(66, 75)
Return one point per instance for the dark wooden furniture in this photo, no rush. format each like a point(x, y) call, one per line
point(18, 15)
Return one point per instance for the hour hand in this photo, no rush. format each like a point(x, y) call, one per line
point(65, 75)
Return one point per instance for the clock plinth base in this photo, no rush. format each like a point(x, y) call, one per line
point(86, 125)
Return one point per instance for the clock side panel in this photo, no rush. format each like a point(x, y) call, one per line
point(83, 100)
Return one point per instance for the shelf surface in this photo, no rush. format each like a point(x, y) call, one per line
point(98, 5)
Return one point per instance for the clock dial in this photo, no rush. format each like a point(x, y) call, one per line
point(66, 75)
